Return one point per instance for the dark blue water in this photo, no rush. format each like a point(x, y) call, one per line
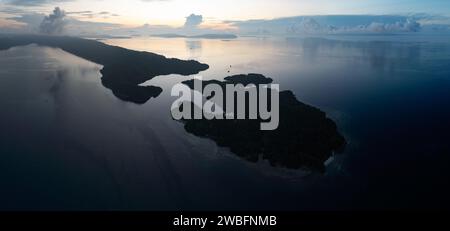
point(67, 143)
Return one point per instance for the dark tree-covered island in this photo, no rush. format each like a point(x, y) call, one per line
point(305, 138)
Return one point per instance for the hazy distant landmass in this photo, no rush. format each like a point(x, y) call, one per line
point(123, 69)
point(204, 36)
point(305, 138)
point(104, 37)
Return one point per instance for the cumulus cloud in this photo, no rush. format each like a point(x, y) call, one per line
point(331, 24)
point(54, 23)
point(375, 27)
point(306, 25)
point(193, 21)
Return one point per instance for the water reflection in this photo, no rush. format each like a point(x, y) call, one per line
point(68, 143)
point(381, 55)
point(194, 48)
point(389, 94)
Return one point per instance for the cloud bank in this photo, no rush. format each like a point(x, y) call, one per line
point(80, 23)
point(335, 24)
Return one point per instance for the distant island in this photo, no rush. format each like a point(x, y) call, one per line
point(203, 36)
point(123, 69)
point(305, 138)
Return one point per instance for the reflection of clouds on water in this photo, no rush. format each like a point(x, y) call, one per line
point(381, 56)
point(248, 65)
point(71, 121)
point(122, 155)
point(194, 48)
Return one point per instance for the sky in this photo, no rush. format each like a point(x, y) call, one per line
point(173, 12)
point(213, 14)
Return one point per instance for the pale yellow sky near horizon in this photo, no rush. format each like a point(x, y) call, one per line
point(173, 12)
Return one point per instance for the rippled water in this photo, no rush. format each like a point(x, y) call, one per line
point(68, 143)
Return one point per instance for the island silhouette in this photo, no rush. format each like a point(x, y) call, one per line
point(123, 69)
point(201, 36)
point(305, 138)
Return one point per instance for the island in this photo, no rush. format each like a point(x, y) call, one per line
point(305, 139)
point(201, 36)
point(123, 69)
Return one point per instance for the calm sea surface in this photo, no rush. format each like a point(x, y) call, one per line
point(66, 142)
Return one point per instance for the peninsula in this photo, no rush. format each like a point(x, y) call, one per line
point(123, 69)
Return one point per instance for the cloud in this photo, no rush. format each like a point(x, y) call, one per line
point(80, 23)
point(54, 23)
point(408, 26)
point(91, 14)
point(331, 24)
point(27, 21)
point(193, 26)
point(193, 21)
point(310, 26)
point(34, 2)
